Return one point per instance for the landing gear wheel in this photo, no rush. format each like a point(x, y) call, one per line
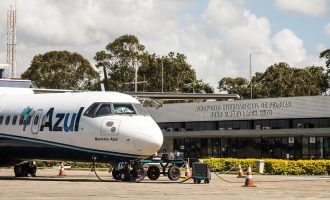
point(199, 181)
point(153, 173)
point(138, 174)
point(206, 181)
point(32, 169)
point(116, 174)
point(125, 176)
point(194, 180)
point(20, 171)
point(174, 173)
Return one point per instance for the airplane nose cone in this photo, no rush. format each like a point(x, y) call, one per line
point(147, 142)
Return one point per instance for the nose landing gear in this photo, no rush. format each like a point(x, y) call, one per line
point(126, 171)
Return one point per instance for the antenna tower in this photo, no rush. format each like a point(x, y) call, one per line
point(11, 43)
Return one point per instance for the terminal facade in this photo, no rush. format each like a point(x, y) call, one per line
point(286, 128)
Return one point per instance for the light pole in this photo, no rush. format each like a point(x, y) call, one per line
point(162, 75)
point(251, 75)
point(135, 66)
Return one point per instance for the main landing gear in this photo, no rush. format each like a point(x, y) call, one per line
point(24, 169)
point(126, 171)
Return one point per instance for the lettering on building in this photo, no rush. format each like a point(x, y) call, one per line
point(243, 110)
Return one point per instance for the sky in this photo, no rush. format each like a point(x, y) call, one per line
point(217, 36)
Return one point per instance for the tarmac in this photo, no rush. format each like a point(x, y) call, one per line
point(85, 185)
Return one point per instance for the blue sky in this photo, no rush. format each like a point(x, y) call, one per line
point(308, 28)
point(217, 36)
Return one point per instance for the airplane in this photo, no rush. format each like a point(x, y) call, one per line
point(103, 127)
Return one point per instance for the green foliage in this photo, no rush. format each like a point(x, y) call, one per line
point(273, 166)
point(61, 70)
point(237, 85)
point(125, 53)
point(326, 54)
point(279, 80)
point(74, 165)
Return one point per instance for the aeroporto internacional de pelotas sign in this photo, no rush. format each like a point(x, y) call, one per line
point(272, 108)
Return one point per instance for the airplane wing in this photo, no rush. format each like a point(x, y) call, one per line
point(182, 96)
point(156, 99)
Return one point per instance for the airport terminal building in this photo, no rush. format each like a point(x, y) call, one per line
point(287, 128)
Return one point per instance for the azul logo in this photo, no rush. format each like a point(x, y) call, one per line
point(54, 123)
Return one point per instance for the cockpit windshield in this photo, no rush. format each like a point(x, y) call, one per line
point(121, 108)
point(99, 109)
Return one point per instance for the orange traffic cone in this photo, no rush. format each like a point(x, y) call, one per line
point(248, 180)
point(187, 173)
point(62, 172)
point(240, 172)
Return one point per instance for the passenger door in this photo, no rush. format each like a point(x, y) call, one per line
point(36, 120)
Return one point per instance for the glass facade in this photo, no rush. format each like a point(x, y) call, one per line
point(282, 147)
point(297, 147)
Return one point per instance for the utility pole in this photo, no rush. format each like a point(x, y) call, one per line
point(135, 66)
point(11, 42)
point(251, 75)
point(162, 75)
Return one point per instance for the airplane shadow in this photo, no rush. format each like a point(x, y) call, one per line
point(67, 179)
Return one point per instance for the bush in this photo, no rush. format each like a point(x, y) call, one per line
point(74, 165)
point(273, 166)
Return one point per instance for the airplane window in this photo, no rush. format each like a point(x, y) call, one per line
point(36, 119)
point(21, 120)
point(1, 119)
point(28, 121)
point(91, 110)
point(14, 120)
point(140, 109)
point(104, 110)
point(7, 120)
point(123, 108)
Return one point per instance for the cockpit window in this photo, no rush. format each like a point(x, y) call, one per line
point(104, 110)
point(140, 109)
point(91, 110)
point(121, 108)
point(99, 109)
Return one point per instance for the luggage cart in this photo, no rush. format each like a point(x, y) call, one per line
point(201, 171)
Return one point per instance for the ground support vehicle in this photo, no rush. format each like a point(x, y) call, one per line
point(171, 168)
point(201, 171)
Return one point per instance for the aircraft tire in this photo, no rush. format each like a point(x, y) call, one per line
point(137, 174)
point(125, 176)
point(174, 173)
point(21, 170)
point(116, 174)
point(32, 169)
point(153, 172)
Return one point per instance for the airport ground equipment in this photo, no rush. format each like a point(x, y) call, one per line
point(169, 165)
point(201, 171)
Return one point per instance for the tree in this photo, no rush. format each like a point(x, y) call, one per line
point(120, 59)
point(237, 85)
point(125, 53)
point(279, 80)
point(326, 54)
point(178, 75)
point(61, 70)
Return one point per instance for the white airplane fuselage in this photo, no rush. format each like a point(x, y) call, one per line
point(109, 126)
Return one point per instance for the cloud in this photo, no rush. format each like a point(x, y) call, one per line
point(306, 7)
point(327, 29)
point(288, 46)
point(217, 40)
